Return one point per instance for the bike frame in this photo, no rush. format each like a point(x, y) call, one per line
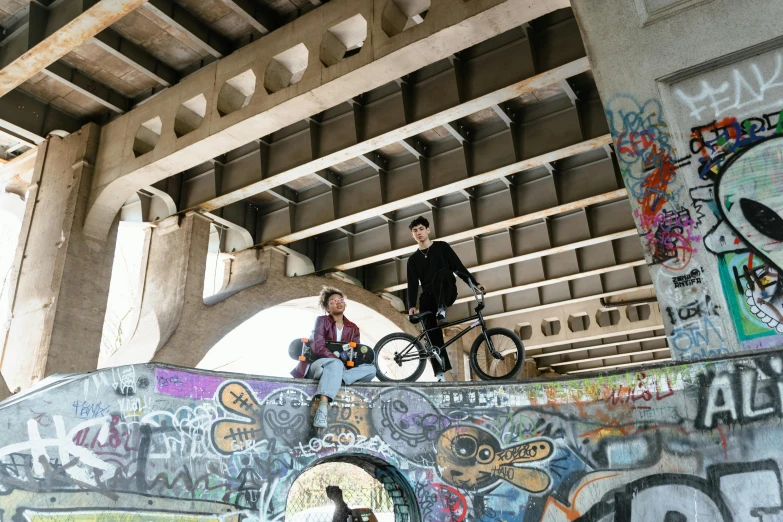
point(404, 355)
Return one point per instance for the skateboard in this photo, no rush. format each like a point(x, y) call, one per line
point(357, 354)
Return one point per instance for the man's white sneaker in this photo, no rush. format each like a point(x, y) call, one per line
point(320, 418)
point(440, 377)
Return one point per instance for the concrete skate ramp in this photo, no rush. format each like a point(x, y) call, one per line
point(159, 443)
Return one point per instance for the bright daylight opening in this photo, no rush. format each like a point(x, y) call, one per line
point(122, 306)
point(11, 213)
point(363, 493)
point(259, 346)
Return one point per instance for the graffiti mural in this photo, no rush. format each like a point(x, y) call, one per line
point(656, 177)
point(686, 442)
point(736, 192)
point(710, 202)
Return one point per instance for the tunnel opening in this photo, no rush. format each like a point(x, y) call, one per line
point(373, 490)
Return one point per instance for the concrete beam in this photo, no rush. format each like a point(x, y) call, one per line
point(590, 359)
point(615, 366)
point(500, 225)
point(643, 288)
point(199, 33)
point(259, 18)
point(528, 348)
point(401, 135)
point(73, 79)
point(36, 120)
point(136, 57)
point(462, 186)
point(450, 26)
point(535, 255)
point(553, 281)
point(53, 34)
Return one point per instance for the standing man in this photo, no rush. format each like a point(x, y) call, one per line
point(434, 264)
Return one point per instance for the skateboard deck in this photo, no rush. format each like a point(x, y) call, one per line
point(357, 354)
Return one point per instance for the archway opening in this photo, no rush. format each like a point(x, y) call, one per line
point(260, 345)
point(372, 489)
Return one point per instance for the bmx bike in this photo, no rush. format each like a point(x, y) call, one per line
point(496, 354)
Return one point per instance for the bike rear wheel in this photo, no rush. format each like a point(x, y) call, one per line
point(486, 366)
point(409, 369)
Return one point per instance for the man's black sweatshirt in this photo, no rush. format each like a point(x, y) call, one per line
point(440, 256)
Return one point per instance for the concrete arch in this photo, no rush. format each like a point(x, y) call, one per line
point(406, 507)
point(202, 326)
point(177, 326)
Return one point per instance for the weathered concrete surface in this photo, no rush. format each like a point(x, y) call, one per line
point(450, 26)
point(60, 278)
point(175, 323)
point(4, 391)
point(61, 32)
point(685, 109)
point(681, 442)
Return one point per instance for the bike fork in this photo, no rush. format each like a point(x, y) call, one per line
point(494, 353)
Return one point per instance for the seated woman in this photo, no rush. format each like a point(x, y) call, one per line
point(328, 369)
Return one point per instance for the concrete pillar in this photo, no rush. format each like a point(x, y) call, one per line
point(59, 282)
point(172, 280)
point(686, 111)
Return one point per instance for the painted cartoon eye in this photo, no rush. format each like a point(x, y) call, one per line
point(464, 446)
point(485, 455)
point(763, 218)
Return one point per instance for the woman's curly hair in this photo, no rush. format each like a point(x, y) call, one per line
point(326, 293)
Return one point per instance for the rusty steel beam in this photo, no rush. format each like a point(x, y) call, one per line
point(59, 41)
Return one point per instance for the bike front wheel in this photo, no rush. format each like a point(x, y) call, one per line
point(399, 357)
point(486, 366)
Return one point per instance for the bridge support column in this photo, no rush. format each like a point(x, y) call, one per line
point(59, 282)
point(173, 280)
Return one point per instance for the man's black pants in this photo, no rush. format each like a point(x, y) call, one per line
point(440, 293)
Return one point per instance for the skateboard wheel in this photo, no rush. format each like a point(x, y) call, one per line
point(349, 364)
point(302, 358)
point(352, 345)
point(305, 340)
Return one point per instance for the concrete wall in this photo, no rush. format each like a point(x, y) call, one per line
point(696, 120)
point(681, 442)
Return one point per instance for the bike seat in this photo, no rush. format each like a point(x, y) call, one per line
point(415, 318)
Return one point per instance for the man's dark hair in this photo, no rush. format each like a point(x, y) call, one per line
point(421, 220)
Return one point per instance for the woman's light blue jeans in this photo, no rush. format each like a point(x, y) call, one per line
point(333, 374)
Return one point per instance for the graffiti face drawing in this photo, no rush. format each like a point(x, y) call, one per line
point(750, 197)
point(471, 458)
